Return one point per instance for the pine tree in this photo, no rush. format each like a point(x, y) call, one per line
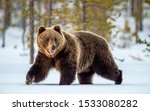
point(94, 15)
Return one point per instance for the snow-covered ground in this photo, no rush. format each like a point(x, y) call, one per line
point(14, 64)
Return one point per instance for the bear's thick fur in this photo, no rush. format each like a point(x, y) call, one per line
point(83, 53)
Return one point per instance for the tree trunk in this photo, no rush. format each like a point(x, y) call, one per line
point(141, 14)
point(84, 14)
point(23, 34)
point(50, 2)
point(3, 38)
point(138, 15)
point(7, 8)
point(132, 7)
point(31, 29)
point(23, 24)
point(7, 19)
point(46, 13)
point(39, 6)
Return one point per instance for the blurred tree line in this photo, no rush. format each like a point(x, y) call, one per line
point(137, 12)
point(72, 15)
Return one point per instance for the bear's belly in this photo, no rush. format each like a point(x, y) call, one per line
point(83, 65)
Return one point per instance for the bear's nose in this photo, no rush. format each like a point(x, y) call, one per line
point(53, 47)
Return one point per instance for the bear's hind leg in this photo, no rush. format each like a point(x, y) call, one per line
point(119, 79)
point(86, 76)
point(108, 70)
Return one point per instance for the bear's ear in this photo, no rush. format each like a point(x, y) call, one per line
point(41, 29)
point(57, 28)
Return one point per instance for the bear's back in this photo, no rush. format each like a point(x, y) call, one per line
point(90, 43)
point(88, 37)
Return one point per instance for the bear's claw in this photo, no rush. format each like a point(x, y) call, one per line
point(30, 80)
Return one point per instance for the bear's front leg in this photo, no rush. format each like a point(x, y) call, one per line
point(68, 71)
point(67, 77)
point(39, 70)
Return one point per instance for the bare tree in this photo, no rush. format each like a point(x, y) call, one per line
point(84, 14)
point(7, 19)
point(31, 29)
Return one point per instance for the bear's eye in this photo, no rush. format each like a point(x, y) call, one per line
point(55, 39)
point(47, 39)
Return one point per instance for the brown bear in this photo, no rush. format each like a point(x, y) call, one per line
point(83, 53)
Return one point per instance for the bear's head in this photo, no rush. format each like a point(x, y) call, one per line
point(50, 40)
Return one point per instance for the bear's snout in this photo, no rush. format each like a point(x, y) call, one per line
point(52, 50)
point(53, 47)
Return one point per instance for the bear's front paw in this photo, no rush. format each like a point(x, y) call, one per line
point(30, 79)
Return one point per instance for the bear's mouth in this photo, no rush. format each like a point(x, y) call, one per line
point(52, 50)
